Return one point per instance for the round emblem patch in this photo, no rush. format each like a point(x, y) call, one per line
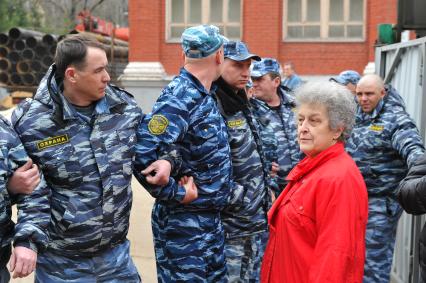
point(158, 124)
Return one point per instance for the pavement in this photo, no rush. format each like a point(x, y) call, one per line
point(140, 236)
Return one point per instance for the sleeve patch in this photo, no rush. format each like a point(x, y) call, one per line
point(158, 124)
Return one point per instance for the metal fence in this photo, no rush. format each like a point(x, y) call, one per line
point(403, 66)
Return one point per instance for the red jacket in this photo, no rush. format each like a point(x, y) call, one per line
point(317, 225)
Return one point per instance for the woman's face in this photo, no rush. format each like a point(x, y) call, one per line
point(313, 129)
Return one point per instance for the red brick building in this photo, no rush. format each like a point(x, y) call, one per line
point(319, 36)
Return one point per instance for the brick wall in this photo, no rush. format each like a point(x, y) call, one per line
point(262, 31)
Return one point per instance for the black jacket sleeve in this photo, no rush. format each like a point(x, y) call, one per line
point(412, 190)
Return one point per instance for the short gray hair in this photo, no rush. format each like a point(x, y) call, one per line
point(338, 101)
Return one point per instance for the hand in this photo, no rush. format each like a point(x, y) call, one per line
point(274, 169)
point(22, 262)
point(191, 190)
point(158, 172)
point(25, 179)
point(273, 197)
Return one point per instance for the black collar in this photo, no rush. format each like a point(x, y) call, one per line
point(231, 101)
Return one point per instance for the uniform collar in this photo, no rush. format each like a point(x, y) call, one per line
point(286, 99)
point(196, 83)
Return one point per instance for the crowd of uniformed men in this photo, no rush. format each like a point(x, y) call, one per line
point(214, 153)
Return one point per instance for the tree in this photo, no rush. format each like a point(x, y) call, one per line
point(22, 13)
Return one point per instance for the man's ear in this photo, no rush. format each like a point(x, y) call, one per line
point(277, 81)
point(219, 57)
point(70, 74)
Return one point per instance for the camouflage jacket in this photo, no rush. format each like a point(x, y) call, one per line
point(33, 220)
point(248, 163)
point(384, 143)
point(87, 164)
point(186, 116)
point(280, 121)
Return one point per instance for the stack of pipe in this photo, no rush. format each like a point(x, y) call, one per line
point(25, 56)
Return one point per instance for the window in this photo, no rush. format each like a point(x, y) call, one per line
point(181, 14)
point(324, 20)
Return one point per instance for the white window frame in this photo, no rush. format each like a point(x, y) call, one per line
point(205, 15)
point(324, 23)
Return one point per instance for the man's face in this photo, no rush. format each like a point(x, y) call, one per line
point(236, 73)
point(92, 78)
point(288, 71)
point(265, 87)
point(368, 95)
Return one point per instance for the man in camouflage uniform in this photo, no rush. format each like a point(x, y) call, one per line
point(384, 143)
point(348, 78)
point(81, 131)
point(245, 225)
point(29, 234)
point(278, 116)
point(188, 231)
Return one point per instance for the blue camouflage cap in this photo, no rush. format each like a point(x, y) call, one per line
point(346, 77)
point(201, 41)
point(238, 51)
point(265, 66)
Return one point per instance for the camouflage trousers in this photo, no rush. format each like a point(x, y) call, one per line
point(244, 257)
point(4, 275)
point(112, 266)
point(188, 245)
point(383, 216)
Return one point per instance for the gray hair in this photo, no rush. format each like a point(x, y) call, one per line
point(338, 101)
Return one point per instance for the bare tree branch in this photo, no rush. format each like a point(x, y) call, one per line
point(57, 5)
point(96, 5)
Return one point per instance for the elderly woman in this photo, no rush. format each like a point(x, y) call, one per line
point(317, 225)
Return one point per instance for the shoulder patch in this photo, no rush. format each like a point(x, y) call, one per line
point(158, 124)
point(235, 123)
point(52, 141)
point(377, 128)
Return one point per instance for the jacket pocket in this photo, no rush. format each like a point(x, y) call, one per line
point(61, 169)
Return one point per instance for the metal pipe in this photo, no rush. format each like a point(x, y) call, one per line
point(101, 38)
point(32, 41)
point(4, 51)
point(4, 78)
point(50, 39)
point(14, 56)
point(19, 45)
point(28, 79)
point(119, 51)
point(5, 64)
point(28, 54)
point(53, 50)
point(16, 33)
point(47, 61)
point(36, 66)
point(3, 38)
point(23, 67)
point(40, 50)
point(15, 79)
point(40, 76)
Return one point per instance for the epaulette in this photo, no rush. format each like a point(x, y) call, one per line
point(121, 89)
point(20, 110)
